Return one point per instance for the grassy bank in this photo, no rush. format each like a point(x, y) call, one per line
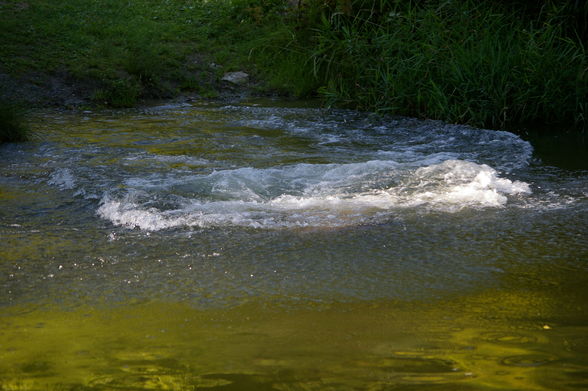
point(117, 53)
point(496, 65)
point(499, 64)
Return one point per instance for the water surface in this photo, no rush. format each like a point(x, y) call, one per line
point(255, 246)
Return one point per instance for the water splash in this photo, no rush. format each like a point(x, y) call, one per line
point(306, 195)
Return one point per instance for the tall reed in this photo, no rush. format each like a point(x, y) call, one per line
point(460, 61)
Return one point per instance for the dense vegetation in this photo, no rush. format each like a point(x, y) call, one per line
point(497, 65)
point(500, 63)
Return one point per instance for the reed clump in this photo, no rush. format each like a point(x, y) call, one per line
point(479, 63)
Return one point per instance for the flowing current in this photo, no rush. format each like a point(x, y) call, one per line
point(267, 168)
point(272, 248)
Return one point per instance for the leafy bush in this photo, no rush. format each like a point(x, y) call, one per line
point(119, 93)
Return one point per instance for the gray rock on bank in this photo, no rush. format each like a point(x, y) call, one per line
point(238, 78)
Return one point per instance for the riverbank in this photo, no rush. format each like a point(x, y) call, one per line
point(80, 53)
point(500, 65)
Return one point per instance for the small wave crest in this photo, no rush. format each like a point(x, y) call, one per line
point(62, 178)
point(307, 195)
point(402, 139)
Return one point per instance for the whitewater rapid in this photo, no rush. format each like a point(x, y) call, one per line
point(268, 168)
point(307, 195)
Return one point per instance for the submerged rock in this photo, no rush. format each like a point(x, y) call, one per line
point(239, 78)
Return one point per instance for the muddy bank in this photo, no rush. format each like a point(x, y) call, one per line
point(42, 90)
point(63, 90)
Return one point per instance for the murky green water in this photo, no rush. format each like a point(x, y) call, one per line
point(260, 247)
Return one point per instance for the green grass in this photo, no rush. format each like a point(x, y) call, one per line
point(465, 62)
point(129, 49)
point(12, 125)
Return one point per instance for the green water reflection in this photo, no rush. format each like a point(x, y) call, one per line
point(489, 341)
point(489, 298)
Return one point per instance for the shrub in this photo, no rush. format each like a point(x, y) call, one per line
point(119, 93)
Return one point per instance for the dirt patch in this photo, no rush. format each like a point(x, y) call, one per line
point(61, 89)
point(40, 90)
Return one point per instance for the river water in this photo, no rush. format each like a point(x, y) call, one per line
point(271, 246)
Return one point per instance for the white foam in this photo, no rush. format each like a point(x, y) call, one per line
point(313, 195)
point(123, 214)
point(457, 184)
